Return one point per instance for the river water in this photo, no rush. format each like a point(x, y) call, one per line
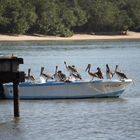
point(86, 119)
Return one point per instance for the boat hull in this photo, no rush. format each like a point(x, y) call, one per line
point(73, 90)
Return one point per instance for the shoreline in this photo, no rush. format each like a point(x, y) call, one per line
point(75, 37)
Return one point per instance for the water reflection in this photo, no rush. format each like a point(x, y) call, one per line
point(74, 119)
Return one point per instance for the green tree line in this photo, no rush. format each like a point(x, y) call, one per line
point(65, 17)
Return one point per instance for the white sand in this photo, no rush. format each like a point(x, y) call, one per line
point(76, 37)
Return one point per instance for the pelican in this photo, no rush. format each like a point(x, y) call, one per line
point(61, 75)
point(29, 77)
point(73, 71)
point(56, 75)
point(44, 77)
point(109, 74)
point(91, 74)
point(73, 77)
point(120, 74)
point(99, 73)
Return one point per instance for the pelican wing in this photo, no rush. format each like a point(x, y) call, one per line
point(76, 76)
point(47, 76)
point(99, 75)
point(122, 75)
point(93, 74)
point(73, 69)
point(32, 78)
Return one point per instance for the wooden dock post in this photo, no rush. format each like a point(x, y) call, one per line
point(9, 67)
point(16, 99)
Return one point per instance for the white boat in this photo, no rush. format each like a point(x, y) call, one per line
point(69, 90)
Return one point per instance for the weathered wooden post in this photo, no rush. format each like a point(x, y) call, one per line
point(16, 99)
point(9, 72)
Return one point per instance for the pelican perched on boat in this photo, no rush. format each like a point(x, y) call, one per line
point(99, 73)
point(73, 71)
point(91, 74)
point(109, 73)
point(61, 75)
point(44, 77)
point(29, 77)
point(56, 75)
point(120, 74)
point(73, 77)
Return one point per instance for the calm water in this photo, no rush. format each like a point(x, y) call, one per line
point(89, 119)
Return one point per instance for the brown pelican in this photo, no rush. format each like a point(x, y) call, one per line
point(120, 74)
point(99, 73)
point(56, 75)
point(73, 77)
point(44, 77)
point(91, 74)
point(61, 75)
point(73, 71)
point(29, 77)
point(109, 74)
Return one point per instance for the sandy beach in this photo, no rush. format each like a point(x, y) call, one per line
point(76, 37)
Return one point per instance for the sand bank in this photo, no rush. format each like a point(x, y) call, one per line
point(76, 37)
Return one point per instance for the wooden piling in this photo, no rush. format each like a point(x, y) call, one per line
point(16, 99)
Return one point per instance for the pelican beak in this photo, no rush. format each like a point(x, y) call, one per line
point(41, 68)
point(116, 68)
point(87, 68)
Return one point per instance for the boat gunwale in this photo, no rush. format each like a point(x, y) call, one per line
point(53, 83)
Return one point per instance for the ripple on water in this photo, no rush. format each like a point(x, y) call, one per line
point(99, 119)
point(73, 119)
